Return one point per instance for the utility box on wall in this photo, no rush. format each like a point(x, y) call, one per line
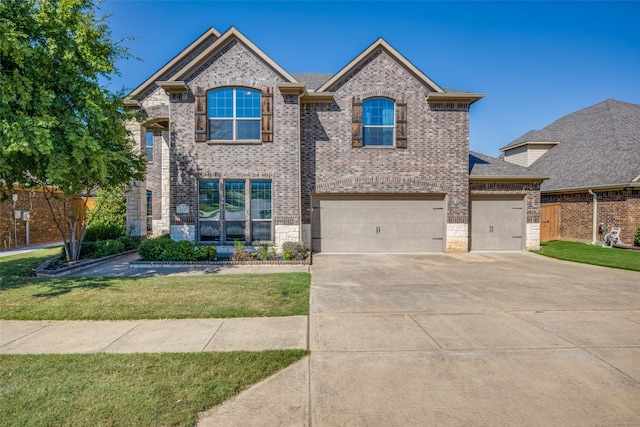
point(25, 216)
point(17, 214)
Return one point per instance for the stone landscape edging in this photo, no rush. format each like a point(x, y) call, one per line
point(179, 264)
point(42, 271)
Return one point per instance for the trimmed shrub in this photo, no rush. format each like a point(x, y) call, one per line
point(103, 232)
point(205, 253)
point(637, 238)
point(150, 250)
point(129, 243)
point(183, 250)
point(108, 247)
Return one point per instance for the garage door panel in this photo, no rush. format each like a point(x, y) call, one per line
point(496, 224)
point(378, 224)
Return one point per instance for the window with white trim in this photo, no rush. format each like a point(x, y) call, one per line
point(234, 114)
point(378, 120)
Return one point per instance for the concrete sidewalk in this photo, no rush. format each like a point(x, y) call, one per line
point(24, 249)
point(152, 336)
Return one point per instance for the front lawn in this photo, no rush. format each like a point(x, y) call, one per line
point(127, 389)
point(589, 254)
point(161, 297)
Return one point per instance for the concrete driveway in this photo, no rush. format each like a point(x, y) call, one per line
point(473, 339)
point(469, 339)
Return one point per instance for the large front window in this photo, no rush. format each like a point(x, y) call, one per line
point(378, 120)
point(230, 223)
point(234, 114)
point(209, 210)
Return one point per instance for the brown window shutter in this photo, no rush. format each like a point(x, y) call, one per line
point(201, 114)
point(267, 114)
point(356, 122)
point(401, 123)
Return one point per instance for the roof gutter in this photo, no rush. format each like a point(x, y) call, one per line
point(610, 187)
point(518, 178)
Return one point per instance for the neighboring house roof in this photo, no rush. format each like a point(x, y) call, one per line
point(483, 167)
point(598, 147)
point(313, 81)
point(529, 137)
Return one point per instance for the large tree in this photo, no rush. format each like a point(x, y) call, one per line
point(60, 129)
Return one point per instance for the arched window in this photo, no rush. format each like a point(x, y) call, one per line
point(378, 120)
point(234, 114)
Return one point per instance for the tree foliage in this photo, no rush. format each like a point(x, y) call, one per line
point(59, 128)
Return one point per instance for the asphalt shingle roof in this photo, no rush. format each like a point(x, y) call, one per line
point(481, 165)
point(313, 81)
point(598, 146)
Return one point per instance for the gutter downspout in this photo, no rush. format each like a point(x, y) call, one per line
point(595, 216)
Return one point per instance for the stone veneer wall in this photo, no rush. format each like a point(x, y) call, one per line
point(529, 190)
point(435, 160)
point(615, 209)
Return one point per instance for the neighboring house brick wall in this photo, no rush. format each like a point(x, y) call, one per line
point(42, 228)
point(615, 209)
point(435, 160)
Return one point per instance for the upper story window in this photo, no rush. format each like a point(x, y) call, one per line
point(149, 145)
point(234, 114)
point(378, 120)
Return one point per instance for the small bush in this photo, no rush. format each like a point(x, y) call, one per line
point(265, 252)
point(183, 250)
point(87, 250)
point(286, 255)
point(108, 247)
point(637, 238)
point(206, 253)
point(150, 250)
point(129, 243)
point(240, 252)
point(296, 250)
point(103, 232)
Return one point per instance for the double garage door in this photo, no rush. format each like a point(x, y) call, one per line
point(378, 223)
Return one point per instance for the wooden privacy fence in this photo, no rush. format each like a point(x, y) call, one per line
point(549, 222)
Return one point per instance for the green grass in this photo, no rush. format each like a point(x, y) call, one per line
point(161, 297)
point(127, 389)
point(20, 265)
point(589, 254)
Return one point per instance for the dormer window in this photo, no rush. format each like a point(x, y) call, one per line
point(234, 114)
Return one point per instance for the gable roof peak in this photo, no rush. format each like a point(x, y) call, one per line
point(233, 32)
point(381, 43)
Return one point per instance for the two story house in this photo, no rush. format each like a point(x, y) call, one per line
point(373, 158)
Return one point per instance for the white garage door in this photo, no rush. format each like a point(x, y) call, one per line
point(496, 223)
point(378, 224)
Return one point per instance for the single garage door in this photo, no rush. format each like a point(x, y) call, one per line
point(378, 224)
point(496, 223)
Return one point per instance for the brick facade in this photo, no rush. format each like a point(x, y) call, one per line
point(615, 209)
point(312, 150)
point(435, 160)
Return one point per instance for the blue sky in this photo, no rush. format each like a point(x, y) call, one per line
point(535, 61)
